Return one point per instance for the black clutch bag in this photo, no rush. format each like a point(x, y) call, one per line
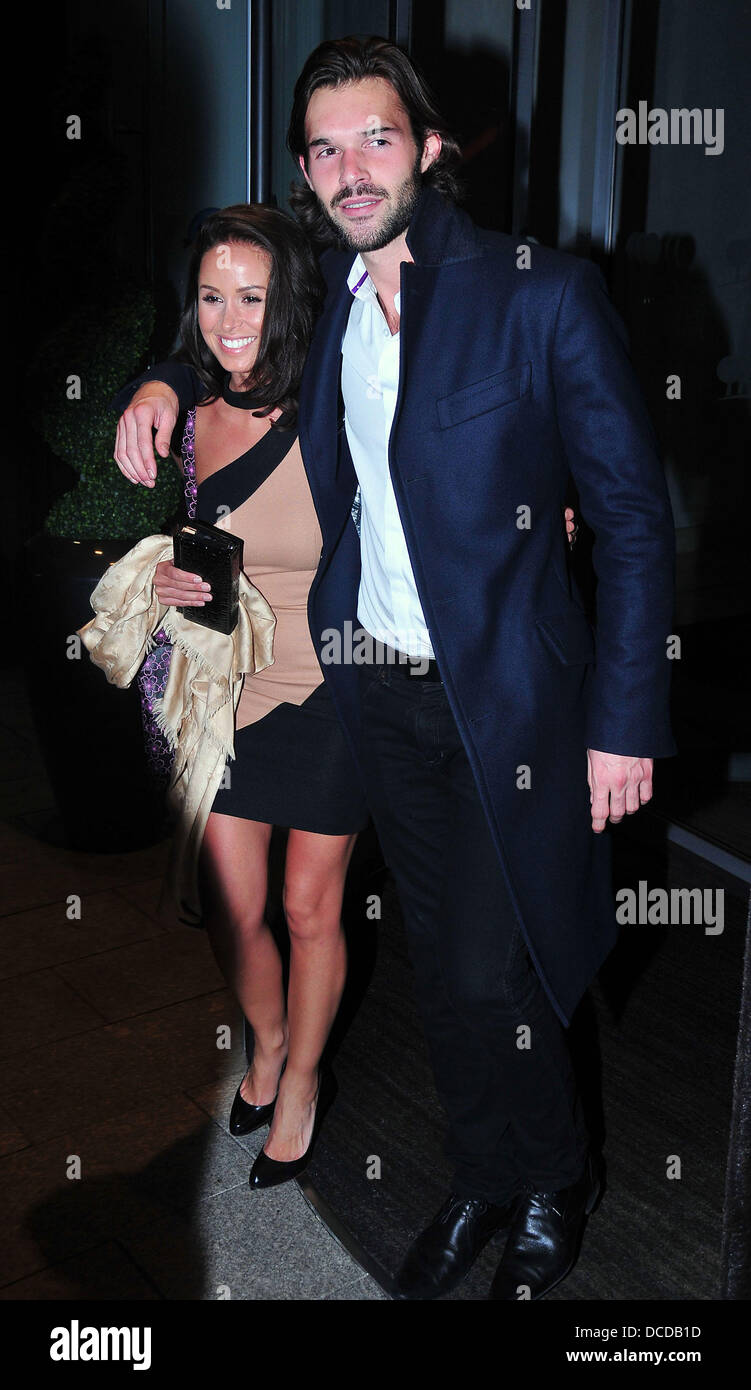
point(217, 556)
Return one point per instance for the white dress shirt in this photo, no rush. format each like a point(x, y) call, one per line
point(388, 606)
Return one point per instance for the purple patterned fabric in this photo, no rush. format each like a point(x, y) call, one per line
point(152, 677)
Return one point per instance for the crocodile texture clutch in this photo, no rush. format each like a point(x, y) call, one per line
point(217, 556)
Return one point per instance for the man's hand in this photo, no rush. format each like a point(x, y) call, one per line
point(618, 786)
point(154, 407)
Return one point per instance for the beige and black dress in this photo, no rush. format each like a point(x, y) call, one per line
point(292, 763)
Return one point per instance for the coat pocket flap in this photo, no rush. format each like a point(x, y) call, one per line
point(568, 633)
point(481, 396)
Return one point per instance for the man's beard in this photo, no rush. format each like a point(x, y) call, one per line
point(396, 220)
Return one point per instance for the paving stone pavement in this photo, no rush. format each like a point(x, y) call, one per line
point(118, 1176)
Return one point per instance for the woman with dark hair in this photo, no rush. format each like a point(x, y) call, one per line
point(252, 297)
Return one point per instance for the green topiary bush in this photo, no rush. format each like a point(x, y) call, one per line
point(102, 348)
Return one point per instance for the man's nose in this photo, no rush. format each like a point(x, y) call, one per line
point(352, 168)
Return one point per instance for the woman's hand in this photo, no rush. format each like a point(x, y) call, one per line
point(571, 527)
point(179, 588)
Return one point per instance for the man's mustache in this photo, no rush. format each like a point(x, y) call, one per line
point(363, 191)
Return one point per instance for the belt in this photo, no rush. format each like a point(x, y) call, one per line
point(418, 668)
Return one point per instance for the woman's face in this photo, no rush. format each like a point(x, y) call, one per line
point(232, 287)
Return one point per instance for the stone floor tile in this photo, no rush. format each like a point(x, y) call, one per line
point(245, 1245)
point(161, 1157)
point(117, 1066)
point(364, 1289)
point(146, 975)
point(45, 936)
point(38, 1008)
point(45, 873)
point(143, 893)
point(105, 1273)
point(11, 1137)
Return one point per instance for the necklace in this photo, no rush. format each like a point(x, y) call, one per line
point(241, 399)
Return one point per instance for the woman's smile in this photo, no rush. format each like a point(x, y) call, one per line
point(234, 280)
point(236, 344)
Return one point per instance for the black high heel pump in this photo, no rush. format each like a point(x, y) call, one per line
point(270, 1172)
point(244, 1118)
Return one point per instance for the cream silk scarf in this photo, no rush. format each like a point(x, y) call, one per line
point(197, 712)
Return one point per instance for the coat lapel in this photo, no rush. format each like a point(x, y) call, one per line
point(321, 422)
point(439, 234)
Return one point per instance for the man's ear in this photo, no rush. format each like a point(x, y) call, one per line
point(301, 161)
point(430, 150)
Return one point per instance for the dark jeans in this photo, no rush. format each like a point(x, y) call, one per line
point(513, 1110)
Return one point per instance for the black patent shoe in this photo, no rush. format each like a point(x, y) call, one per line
point(270, 1172)
point(445, 1251)
point(244, 1118)
point(545, 1237)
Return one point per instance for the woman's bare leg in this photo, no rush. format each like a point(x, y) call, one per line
point(234, 873)
point(315, 871)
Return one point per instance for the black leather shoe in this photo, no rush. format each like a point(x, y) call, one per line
point(446, 1250)
point(270, 1172)
point(545, 1236)
point(244, 1117)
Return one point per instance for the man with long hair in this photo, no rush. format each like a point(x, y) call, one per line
point(455, 379)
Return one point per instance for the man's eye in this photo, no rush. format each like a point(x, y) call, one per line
point(379, 141)
point(328, 150)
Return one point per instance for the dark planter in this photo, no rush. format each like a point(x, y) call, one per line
point(89, 731)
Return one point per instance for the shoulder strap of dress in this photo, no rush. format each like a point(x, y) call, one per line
point(187, 450)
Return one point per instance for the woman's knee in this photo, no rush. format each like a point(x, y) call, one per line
point(315, 872)
point(312, 911)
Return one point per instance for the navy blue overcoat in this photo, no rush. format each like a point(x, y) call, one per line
point(509, 378)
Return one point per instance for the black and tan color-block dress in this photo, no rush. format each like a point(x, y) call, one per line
point(292, 763)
